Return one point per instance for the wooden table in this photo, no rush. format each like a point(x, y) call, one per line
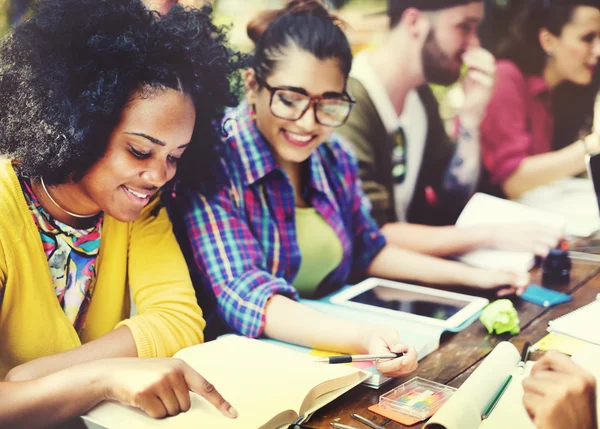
point(459, 354)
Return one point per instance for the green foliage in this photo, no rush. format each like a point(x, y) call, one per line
point(4, 5)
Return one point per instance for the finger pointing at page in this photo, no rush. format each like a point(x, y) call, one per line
point(204, 388)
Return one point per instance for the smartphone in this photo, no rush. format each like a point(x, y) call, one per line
point(592, 162)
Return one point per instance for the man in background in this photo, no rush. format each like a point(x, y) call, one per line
point(411, 170)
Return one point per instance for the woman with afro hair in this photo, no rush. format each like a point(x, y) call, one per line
point(102, 102)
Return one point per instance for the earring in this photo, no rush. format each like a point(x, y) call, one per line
point(252, 111)
point(549, 54)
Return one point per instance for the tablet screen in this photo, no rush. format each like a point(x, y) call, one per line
point(433, 306)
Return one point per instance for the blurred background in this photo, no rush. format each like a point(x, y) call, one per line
point(366, 24)
point(364, 17)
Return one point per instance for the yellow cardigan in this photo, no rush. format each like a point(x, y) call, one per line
point(141, 256)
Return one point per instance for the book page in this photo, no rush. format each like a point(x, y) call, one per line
point(464, 409)
point(267, 384)
point(589, 359)
point(510, 407)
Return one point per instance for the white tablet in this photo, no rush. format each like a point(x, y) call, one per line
point(418, 303)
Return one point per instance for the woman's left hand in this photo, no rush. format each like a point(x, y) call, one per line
point(385, 339)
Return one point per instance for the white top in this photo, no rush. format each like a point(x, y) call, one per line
point(413, 120)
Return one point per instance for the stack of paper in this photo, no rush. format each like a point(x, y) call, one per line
point(572, 198)
point(483, 209)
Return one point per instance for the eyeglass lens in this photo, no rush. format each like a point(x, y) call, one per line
point(292, 105)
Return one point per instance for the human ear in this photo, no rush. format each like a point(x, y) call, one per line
point(250, 86)
point(547, 41)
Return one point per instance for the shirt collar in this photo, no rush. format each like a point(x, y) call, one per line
point(255, 155)
point(254, 152)
point(537, 85)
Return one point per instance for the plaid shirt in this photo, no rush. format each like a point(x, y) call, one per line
point(243, 235)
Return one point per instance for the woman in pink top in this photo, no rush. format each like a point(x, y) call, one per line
point(551, 42)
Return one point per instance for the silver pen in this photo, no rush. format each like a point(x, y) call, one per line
point(359, 358)
point(341, 426)
point(366, 421)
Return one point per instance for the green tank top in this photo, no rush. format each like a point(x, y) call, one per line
point(320, 247)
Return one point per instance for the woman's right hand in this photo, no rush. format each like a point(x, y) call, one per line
point(505, 282)
point(159, 387)
point(536, 238)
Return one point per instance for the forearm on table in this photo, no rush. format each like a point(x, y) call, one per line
point(401, 264)
point(538, 170)
point(438, 241)
point(117, 343)
point(293, 322)
point(49, 400)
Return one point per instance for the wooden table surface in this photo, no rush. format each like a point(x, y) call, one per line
point(459, 354)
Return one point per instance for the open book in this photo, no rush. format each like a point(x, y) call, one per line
point(270, 386)
point(483, 209)
point(465, 407)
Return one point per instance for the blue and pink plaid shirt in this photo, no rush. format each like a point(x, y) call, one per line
point(243, 235)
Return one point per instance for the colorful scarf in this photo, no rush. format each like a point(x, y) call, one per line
point(72, 255)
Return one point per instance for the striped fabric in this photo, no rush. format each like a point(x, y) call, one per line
point(243, 235)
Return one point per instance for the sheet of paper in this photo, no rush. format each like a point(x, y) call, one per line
point(572, 198)
point(589, 358)
point(561, 343)
point(259, 379)
point(510, 408)
point(483, 209)
point(464, 409)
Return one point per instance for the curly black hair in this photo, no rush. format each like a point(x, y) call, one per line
point(67, 73)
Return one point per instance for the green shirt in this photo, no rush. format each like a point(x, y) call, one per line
point(320, 247)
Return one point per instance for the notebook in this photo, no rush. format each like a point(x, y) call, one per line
point(270, 386)
point(464, 409)
point(425, 338)
point(582, 323)
point(483, 209)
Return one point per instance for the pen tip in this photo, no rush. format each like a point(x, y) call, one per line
point(322, 360)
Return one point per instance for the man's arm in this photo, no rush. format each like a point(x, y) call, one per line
point(462, 174)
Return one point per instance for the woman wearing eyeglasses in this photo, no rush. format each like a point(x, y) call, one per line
point(289, 218)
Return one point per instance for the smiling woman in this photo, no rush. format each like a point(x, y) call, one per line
point(287, 217)
point(96, 116)
point(552, 43)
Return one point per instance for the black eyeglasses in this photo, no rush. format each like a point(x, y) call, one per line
point(330, 110)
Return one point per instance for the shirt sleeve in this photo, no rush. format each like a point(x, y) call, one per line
point(504, 136)
point(367, 237)
point(232, 260)
point(168, 316)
